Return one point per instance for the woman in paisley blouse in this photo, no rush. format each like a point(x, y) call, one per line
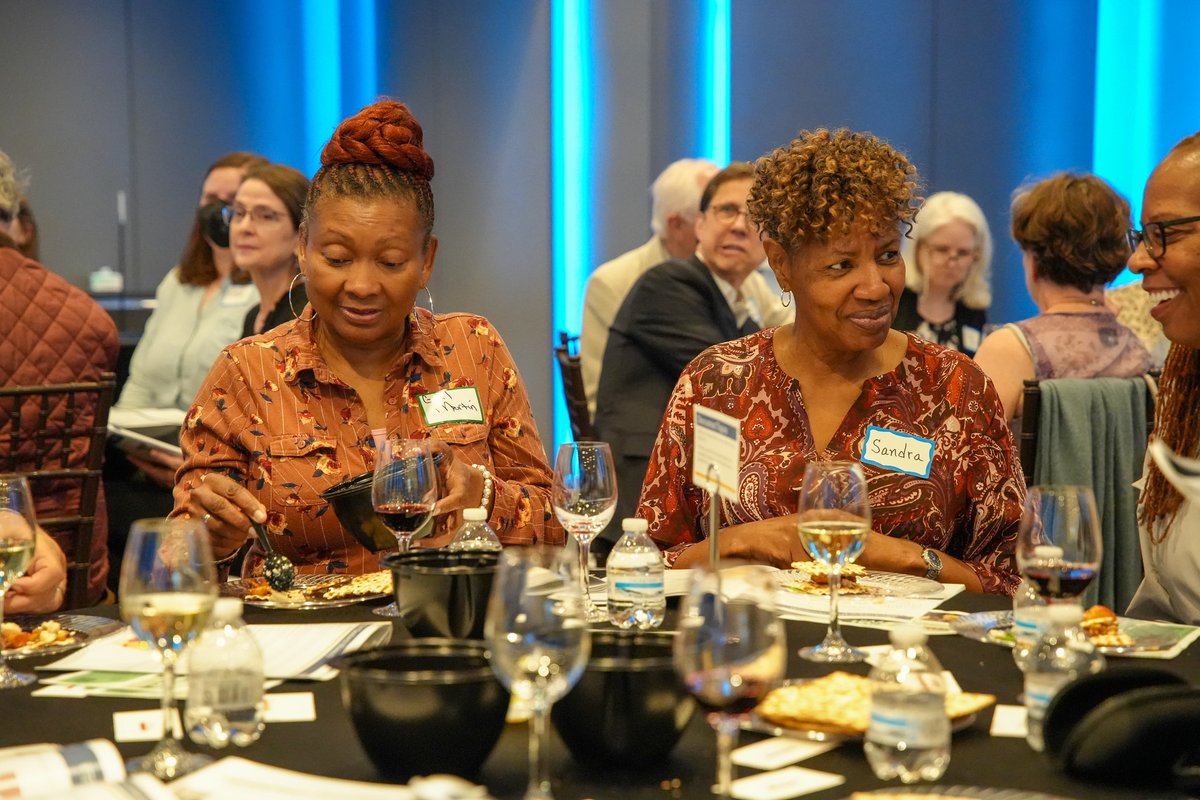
point(288, 413)
point(840, 384)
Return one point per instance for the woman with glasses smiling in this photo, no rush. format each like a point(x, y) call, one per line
point(264, 229)
point(1073, 232)
point(1167, 256)
point(949, 258)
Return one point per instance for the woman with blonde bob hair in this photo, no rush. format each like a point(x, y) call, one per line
point(948, 283)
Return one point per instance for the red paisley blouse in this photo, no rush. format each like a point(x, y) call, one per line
point(969, 506)
point(273, 416)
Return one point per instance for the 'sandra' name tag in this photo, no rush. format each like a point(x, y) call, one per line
point(899, 452)
point(451, 405)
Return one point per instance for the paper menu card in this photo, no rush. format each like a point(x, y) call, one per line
point(238, 777)
point(852, 608)
point(289, 651)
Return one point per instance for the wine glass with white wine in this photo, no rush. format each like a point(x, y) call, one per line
point(834, 520)
point(168, 587)
point(18, 537)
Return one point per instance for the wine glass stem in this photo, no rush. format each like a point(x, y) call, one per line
point(835, 584)
point(585, 549)
point(539, 785)
point(403, 542)
point(168, 697)
point(3, 660)
point(727, 734)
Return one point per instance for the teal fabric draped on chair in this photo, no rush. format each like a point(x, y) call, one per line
point(1093, 432)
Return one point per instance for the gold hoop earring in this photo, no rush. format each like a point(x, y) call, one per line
point(291, 304)
point(417, 317)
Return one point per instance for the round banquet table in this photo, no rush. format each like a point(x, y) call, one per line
point(329, 746)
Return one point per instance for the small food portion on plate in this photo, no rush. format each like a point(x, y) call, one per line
point(1104, 629)
point(840, 703)
point(46, 634)
point(316, 591)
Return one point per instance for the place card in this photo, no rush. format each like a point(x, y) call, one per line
point(142, 726)
point(716, 443)
point(289, 707)
point(1009, 721)
point(784, 783)
point(778, 751)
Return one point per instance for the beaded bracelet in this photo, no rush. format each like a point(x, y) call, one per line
point(486, 501)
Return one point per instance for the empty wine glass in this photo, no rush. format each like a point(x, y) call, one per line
point(538, 638)
point(585, 499)
point(403, 493)
point(18, 538)
point(730, 649)
point(834, 520)
point(168, 587)
point(1058, 544)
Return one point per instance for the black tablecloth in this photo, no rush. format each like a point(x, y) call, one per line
point(329, 747)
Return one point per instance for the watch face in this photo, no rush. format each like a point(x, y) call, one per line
point(934, 562)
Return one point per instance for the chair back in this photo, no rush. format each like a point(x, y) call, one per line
point(54, 435)
point(1093, 432)
point(566, 352)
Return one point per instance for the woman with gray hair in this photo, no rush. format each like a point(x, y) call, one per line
point(948, 287)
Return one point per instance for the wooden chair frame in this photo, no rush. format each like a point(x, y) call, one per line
point(566, 352)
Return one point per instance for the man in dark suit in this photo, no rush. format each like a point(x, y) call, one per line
point(673, 312)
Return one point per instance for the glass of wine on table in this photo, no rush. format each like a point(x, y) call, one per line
point(168, 587)
point(1059, 547)
point(18, 537)
point(403, 493)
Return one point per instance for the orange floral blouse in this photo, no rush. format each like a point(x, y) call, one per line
point(273, 416)
point(969, 506)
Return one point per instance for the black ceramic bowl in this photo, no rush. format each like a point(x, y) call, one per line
point(425, 706)
point(628, 708)
point(442, 593)
point(351, 501)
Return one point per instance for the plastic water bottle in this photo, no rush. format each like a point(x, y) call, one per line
point(225, 681)
point(1029, 611)
point(475, 533)
point(909, 732)
point(1062, 655)
point(636, 592)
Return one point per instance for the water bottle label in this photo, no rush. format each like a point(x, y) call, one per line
point(915, 729)
point(1040, 689)
point(226, 694)
point(648, 589)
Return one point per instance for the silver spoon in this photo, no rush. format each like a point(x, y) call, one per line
point(277, 568)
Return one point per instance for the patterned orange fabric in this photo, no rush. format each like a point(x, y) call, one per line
point(969, 507)
point(272, 415)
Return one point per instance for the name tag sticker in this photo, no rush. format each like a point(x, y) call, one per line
point(899, 452)
point(451, 405)
point(239, 295)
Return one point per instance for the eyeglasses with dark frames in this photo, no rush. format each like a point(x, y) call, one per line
point(1154, 235)
point(726, 213)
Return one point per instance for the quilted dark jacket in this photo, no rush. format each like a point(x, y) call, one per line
point(53, 332)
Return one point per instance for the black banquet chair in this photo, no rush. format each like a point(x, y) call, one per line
point(566, 352)
point(54, 435)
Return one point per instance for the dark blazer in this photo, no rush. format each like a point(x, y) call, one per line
point(673, 312)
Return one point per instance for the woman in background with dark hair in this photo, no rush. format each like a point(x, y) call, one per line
point(264, 229)
point(287, 414)
point(1073, 231)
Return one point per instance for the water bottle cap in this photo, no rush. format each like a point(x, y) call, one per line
point(908, 635)
point(1047, 551)
point(1065, 613)
point(227, 608)
point(635, 525)
point(476, 514)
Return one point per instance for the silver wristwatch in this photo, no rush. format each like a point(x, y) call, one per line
point(933, 564)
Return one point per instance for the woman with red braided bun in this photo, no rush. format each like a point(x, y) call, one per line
point(288, 413)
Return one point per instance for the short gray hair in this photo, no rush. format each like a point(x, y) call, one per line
point(940, 208)
point(677, 190)
point(10, 186)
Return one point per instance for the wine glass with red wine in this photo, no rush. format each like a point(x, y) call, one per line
point(730, 649)
point(1059, 547)
point(403, 492)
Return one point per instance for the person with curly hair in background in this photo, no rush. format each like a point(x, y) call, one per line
point(287, 414)
point(1167, 256)
point(948, 260)
point(840, 384)
point(1073, 232)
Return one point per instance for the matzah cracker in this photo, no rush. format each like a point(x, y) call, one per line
point(362, 585)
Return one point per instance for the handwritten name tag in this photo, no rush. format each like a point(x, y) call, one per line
point(899, 452)
point(451, 405)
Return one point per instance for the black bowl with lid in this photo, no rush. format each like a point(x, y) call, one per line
point(441, 592)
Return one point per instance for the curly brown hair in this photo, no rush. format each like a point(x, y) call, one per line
point(376, 153)
point(1075, 226)
point(823, 185)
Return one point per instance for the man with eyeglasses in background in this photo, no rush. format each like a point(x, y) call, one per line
point(673, 312)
